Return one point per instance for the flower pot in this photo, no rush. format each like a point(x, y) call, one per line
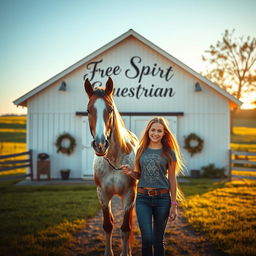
point(65, 174)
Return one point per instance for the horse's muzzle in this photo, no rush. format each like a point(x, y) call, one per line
point(100, 148)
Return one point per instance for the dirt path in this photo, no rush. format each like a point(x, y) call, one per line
point(180, 238)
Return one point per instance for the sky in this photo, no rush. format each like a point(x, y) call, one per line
point(39, 39)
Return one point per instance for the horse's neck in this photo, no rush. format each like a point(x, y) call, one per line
point(115, 151)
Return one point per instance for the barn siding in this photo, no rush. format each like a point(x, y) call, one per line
point(206, 113)
point(49, 127)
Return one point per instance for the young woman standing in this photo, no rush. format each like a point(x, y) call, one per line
point(157, 163)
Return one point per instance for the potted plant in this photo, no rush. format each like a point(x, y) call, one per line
point(65, 174)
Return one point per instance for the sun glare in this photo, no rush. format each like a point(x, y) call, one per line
point(247, 105)
point(247, 101)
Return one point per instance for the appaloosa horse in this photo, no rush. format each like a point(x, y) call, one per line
point(114, 146)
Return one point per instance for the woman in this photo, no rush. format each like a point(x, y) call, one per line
point(158, 154)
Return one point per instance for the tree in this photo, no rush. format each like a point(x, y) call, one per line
point(254, 105)
point(232, 64)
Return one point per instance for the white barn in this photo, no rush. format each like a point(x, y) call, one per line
point(148, 82)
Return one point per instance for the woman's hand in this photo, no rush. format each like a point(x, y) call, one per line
point(126, 169)
point(173, 212)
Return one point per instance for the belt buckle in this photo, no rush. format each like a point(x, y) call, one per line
point(151, 192)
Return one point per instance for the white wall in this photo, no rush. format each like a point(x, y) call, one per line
point(206, 113)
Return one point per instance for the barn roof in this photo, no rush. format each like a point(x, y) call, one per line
point(22, 101)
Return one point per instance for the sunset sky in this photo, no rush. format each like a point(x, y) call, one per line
point(42, 38)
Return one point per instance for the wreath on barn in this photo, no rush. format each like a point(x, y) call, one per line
point(65, 149)
point(193, 149)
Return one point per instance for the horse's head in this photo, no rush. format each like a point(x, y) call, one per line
point(100, 115)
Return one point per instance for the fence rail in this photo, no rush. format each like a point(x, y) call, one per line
point(17, 164)
point(242, 161)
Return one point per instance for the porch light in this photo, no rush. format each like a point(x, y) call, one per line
point(198, 87)
point(63, 86)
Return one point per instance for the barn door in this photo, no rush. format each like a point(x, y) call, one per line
point(136, 124)
point(87, 150)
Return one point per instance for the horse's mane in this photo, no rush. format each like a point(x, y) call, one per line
point(124, 139)
point(124, 136)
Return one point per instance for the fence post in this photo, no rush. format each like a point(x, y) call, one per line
point(31, 163)
point(230, 166)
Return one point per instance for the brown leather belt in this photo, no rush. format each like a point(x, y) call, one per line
point(153, 192)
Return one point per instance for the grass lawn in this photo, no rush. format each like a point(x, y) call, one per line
point(41, 220)
point(226, 212)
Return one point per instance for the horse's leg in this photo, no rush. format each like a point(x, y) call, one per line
point(126, 228)
point(107, 220)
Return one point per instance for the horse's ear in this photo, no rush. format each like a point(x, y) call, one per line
point(88, 88)
point(109, 87)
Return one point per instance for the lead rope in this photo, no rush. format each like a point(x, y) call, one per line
point(109, 137)
point(111, 164)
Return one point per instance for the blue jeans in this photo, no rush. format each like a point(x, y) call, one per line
point(152, 214)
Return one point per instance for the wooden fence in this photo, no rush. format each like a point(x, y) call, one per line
point(242, 161)
point(12, 164)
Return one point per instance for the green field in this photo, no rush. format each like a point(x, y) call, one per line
point(244, 129)
point(244, 135)
point(13, 129)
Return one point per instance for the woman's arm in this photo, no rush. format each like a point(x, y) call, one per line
point(173, 189)
point(128, 171)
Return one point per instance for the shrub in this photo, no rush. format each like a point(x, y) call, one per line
point(210, 171)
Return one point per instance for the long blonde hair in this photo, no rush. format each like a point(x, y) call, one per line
point(169, 141)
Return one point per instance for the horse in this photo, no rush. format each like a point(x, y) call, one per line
point(114, 146)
